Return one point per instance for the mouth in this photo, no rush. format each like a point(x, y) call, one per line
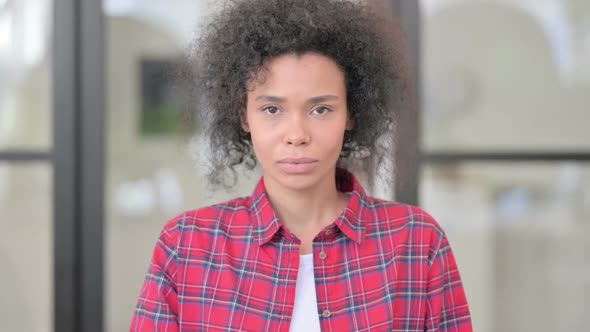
point(297, 165)
point(297, 161)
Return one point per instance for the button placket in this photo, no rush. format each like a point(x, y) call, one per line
point(322, 255)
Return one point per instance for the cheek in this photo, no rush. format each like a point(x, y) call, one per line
point(331, 137)
point(264, 140)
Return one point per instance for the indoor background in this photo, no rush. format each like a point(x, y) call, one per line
point(95, 157)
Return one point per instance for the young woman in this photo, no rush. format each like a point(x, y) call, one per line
point(302, 88)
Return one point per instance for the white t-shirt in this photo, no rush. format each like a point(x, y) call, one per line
point(305, 314)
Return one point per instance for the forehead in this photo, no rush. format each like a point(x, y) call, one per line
point(307, 71)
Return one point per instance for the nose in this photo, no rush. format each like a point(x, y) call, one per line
point(297, 132)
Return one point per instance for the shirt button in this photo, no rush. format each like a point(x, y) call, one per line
point(328, 232)
point(326, 313)
point(323, 255)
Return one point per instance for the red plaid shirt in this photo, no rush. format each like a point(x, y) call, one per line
point(381, 266)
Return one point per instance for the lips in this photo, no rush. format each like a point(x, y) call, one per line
point(297, 160)
point(297, 165)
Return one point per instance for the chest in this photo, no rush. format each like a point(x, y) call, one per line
point(253, 288)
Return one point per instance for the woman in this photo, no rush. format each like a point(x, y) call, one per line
point(304, 88)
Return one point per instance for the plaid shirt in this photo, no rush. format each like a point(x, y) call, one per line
point(381, 266)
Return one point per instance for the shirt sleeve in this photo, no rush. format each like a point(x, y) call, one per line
point(447, 308)
point(157, 307)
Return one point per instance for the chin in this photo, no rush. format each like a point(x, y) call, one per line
point(297, 181)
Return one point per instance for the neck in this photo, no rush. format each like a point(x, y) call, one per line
point(306, 212)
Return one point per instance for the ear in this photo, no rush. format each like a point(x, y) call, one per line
point(349, 123)
point(244, 120)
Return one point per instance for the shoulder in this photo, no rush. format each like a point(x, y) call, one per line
point(403, 220)
point(383, 211)
point(217, 218)
point(407, 230)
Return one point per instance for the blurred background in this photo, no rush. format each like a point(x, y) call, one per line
point(94, 156)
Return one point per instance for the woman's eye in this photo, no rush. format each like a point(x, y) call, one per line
point(321, 110)
point(271, 110)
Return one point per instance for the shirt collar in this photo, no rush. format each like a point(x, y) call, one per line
point(266, 223)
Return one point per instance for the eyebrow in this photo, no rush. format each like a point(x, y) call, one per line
point(312, 100)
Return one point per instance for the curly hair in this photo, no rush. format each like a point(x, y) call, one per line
point(243, 36)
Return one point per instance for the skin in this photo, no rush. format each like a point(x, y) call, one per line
point(300, 111)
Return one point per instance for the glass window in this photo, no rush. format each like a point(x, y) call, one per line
point(505, 75)
point(26, 247)
point(151, 173)
point(25, 69)
point(519, 232)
